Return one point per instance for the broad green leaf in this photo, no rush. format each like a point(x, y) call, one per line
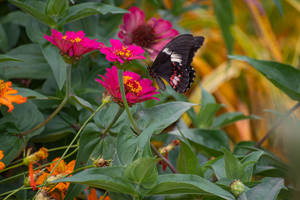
point(107, 178)
point(5, 58)
point(126, 146)
point(82, 103)
point(228, 118)
point(57, 7)
point(233, 167)
point(242, 170)
point(209, 142)
point(248, 163)
point(224, 14)
point(208, 109)
point(268, 189)
point(160, 117)
point(218, 165)
point(82, 10)
point(186, 184)
point(3, 39)
point(15, 16)
point(278, 5)
point(142, 172)
point(34, 64)
point(36, 31)
point(31, 94)
point(283, 76)
point(23, 118)
point(187, 161)
point(33, 11)
point(56, 63)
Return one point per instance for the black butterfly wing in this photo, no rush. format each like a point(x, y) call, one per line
point(173, 62)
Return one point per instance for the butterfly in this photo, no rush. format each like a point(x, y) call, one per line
point(173, 63)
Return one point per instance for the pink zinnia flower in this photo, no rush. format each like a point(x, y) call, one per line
point(136, 89)
point(119, 52)
point(152, 35)
point(72, 45)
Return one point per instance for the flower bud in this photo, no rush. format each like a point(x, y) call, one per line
point(237, 187)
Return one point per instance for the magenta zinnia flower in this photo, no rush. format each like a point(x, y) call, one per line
point(136, 89)
point(152, 35)
point(119, 52)
point(72, 45)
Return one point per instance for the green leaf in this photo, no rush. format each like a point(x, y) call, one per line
point(142, 172)
point(3, 39)
point(233, 167)
point(126, 146)
point(224, 14)
point(187, 161)
point(31, 94)
point(268, 189)
point(209, 107)
point(248, 163)
point(15, 16)
point(82, 103)
point(160, 117)
point(283, 76)
point(278, 5)
point(186, 184)
point(108, 178)
point(56, 63)
point(206, 141)
point(82, 10)
point(33, 11)
point(33, 66)
point(5, 58)
point(36, 31)
point(228, 118)
point(57, 7)
point(23, 118)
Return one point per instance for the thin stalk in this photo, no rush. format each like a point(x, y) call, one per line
point(14, 192)
point(103, 196)
point(77, 134)
point(12, 167)
point(120, 111)
point(138, 131)
point(267, 135)
point(60, 106)
point(125, 104)
point(60, 148)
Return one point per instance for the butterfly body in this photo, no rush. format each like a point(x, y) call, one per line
point(173, 63)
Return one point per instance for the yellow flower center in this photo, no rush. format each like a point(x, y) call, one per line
point(132, 86)
point(124, 52)
point(78, 39)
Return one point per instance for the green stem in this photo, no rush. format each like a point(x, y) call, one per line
point(103, 196)
point(60, 148)
point(14, 192)
point(122, 90)
point(61, 105)
point(120, 111)
point(12, 167)
point(77, 134)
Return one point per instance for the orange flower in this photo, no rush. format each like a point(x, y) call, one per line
point(61, 168)
point(1, 154)
point(6, 97)
point(59, 190)
point(93, 195)
point(2, 165)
